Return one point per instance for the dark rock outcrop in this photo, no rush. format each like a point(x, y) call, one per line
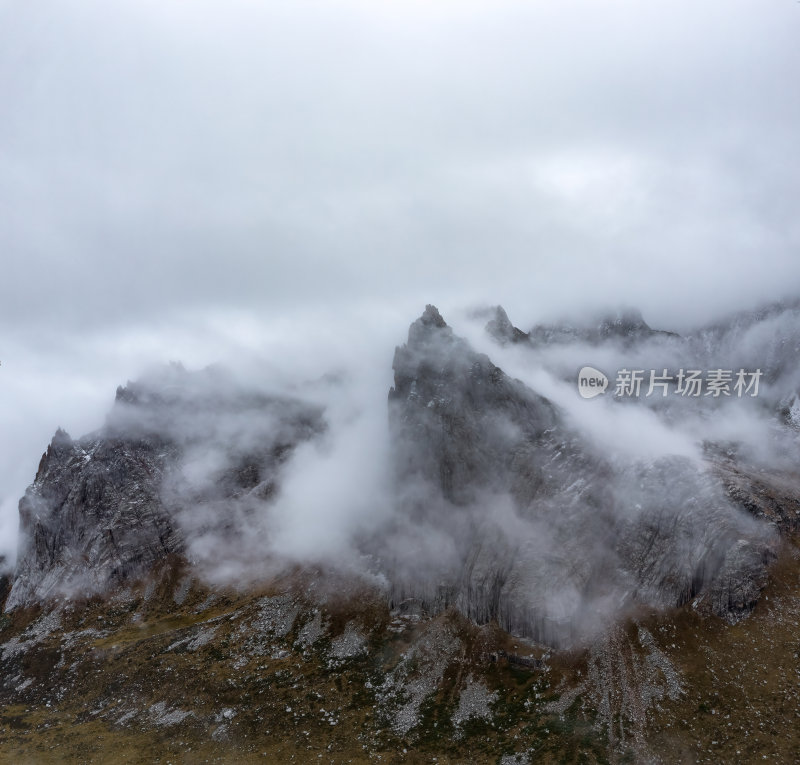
point(6, 576)
point(506, 510)
point(458, 420)
point(772, 496)
point(534, 528)
point(625, 326)
point(503, 331)
point(92, 517)
point(106, 508)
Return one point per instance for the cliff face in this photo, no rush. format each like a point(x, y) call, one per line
point(502, 507)
point(92, 517)
point(537, 529)
point(103, 510)
point(504, 511)
point(458, 420)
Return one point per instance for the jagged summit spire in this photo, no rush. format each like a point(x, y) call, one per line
point(427, 325)
point(502, 330)
point(61, 438)
point(432, 317)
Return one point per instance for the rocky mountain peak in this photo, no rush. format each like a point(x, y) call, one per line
point(469, 439)
point(60, 445)
point(106, 508)
point(428, 327)
point(625, 326)
point(482, 462)
point(510, 533)
point(623, 322)
point(61, 439)
point(502, 330)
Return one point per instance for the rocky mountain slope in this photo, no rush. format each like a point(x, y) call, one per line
point(105, 509)
point(546, 532)
point(532, 596)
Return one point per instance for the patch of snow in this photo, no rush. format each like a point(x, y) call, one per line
point(417, 676)
point(311, 631)
point(474, 702)
point(351, 642)
point(163, 716)
point(182, 590)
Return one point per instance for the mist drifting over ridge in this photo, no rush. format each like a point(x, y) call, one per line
point(205, 185)
point(279, 190)
point(546, 514)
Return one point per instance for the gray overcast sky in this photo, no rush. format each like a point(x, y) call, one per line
point(178, 178)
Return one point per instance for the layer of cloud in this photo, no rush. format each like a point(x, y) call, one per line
point(211, 182)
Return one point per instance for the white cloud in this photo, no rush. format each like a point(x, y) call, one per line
point(205, 181)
